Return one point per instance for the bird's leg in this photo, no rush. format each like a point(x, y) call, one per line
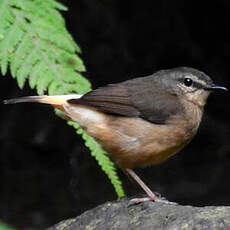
point(133, 175)
point(151, 195)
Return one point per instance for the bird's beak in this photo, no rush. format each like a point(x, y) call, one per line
point(215, 87)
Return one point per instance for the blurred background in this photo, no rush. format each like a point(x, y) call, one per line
point(46, 172)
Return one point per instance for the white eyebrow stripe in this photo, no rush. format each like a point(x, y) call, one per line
point(196, 79)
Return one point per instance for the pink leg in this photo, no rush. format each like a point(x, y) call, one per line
point(151, 195)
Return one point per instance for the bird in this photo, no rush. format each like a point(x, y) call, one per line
point(142, 121)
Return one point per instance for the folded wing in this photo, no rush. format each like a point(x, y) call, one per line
point(133, 98)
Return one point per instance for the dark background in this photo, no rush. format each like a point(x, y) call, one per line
point(46, 172)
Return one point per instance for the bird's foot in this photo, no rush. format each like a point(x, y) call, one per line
point(140, 200)
point(154, 199)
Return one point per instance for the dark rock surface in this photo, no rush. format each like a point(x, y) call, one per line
point(120, 215)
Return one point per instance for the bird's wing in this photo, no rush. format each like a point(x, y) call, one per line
point(135, 98)
point(109, 99)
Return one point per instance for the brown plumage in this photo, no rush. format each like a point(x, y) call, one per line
point(142, 121)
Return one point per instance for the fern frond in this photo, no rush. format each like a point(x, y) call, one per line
point(34, 32)
point(36, 46)
point(107, 166)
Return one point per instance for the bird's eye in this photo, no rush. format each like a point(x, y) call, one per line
point(188, 81)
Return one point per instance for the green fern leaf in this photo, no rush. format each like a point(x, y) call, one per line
point(102, 158)
point(35, 74)
point(36, 46)
point(7, 46)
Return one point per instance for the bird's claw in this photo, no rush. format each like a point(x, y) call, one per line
point(154, 199)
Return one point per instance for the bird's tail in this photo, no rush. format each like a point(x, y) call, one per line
point(52, 100)
point(83, 115)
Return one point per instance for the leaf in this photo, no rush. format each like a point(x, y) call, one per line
point(102, 158)
point(35, 46)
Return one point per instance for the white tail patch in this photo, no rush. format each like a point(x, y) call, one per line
point(84, 115)
point(52, 100)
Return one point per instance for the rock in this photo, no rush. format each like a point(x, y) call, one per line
point(148, 215)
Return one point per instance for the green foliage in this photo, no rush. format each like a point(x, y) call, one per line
point(100, 155)
point(5, 227)
point(36, 46)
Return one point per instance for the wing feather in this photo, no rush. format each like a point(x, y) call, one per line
point(110, 99)
point(140, 97)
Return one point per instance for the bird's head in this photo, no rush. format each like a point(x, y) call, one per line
point(189, 84)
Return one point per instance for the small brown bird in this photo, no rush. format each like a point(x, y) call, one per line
point(142, 121)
